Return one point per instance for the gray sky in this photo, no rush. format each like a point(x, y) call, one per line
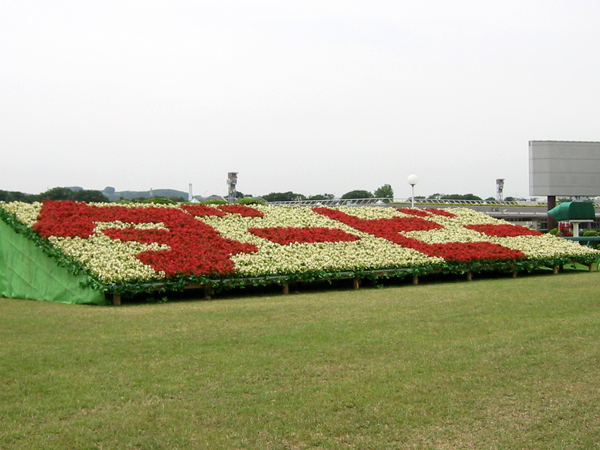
point(309, 96)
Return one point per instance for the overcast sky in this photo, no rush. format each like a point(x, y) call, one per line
point(308, 96)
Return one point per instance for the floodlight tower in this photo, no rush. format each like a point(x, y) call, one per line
point(499, 188)
point(231, 183)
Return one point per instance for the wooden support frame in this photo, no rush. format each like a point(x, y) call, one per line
point(209, 290)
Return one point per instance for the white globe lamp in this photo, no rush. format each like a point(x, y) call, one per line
point(412, 180)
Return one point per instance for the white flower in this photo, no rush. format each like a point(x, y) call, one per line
point(113, 260)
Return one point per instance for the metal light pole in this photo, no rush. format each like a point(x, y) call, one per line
point(412, 180)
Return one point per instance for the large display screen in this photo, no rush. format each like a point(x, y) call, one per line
point(568, 168)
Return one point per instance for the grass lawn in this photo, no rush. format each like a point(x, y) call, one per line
point(493, 363)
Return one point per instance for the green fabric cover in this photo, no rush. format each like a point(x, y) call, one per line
point(573, 211)
point(27, 272)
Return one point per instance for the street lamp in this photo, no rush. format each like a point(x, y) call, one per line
point(412, 180)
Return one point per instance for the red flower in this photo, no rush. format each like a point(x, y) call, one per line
point(289, 235)
point(472, 251)
point(439, 212)
point(390, 229)
point(195, 247)
point(242, 210)
point(380, 227)
point(203, 210)
point(425, 212)
point(413, 212)
point(503, 230)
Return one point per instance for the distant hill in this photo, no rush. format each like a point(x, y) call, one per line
point(130, 195)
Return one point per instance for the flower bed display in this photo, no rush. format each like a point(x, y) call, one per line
point(132, 247)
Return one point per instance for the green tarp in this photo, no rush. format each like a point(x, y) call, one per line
point(573, 211)
point(27, 272)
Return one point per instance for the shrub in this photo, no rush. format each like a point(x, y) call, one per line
point(357, 194)
point(214, 202)
point(159, 201)
point(251, 201)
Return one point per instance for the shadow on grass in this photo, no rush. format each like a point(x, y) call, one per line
point(339, 285)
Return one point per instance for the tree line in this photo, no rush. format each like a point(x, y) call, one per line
point(84, 195)
point(384, 191)
point(57, 193)
point(463, 197)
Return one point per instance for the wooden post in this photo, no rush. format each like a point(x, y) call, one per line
point(286, 289)
point(356, 283)
point(469, 276)
point(208, 292)
point(515, 274)
point(415, 279)
point(552, 223)
point(555, 270)
point(116, 300)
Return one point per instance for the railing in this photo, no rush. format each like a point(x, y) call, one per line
point(337, 202)
point(387, 201)
point(471, 202)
